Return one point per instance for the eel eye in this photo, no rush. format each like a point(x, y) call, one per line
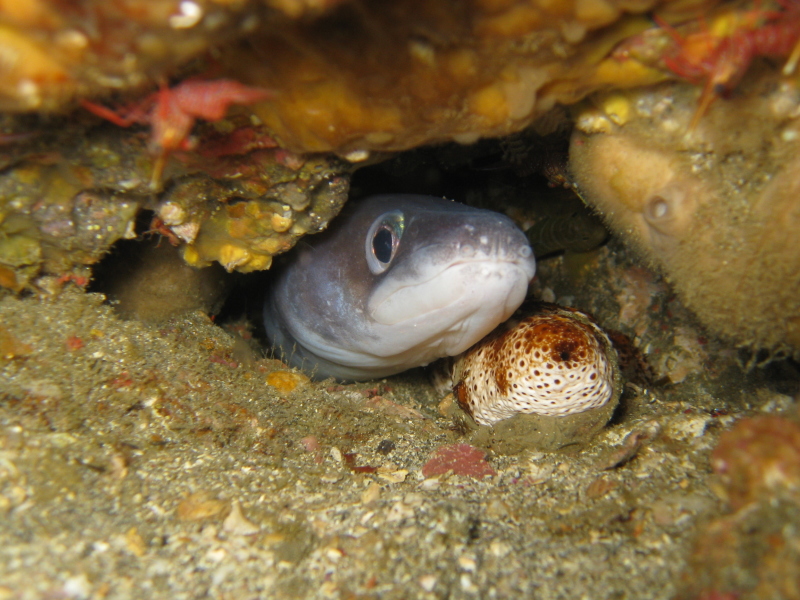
point(382, 245)
point(383, 239)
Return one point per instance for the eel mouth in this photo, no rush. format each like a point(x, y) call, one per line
point(436, 276)
point(461, 289)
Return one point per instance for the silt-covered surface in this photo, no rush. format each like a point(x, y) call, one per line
point(155, 460)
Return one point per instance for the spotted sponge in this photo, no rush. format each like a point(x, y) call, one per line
point(555, 362)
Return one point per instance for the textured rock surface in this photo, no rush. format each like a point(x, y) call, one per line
point(716, 208)
point(69, 193)
point(349, 76)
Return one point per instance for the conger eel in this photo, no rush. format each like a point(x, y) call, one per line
point(396, 282)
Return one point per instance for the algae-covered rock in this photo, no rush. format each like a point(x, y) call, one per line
point(714, 207)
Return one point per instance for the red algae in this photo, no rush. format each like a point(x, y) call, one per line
point(461, 459)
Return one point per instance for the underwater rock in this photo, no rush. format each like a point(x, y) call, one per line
point(759, 459)
point(714, 208)
point(752, 552)
point(54, 53)
point(370, 77)
point(66, 196)
point(350, 76)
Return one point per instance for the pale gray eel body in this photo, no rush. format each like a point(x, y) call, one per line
point(397, 282)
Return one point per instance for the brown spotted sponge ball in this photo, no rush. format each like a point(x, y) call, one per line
point(555, 362)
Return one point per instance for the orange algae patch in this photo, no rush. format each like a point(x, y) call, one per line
point(286, 381)
point(11, 347)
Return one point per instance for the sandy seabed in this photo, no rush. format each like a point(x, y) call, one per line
point(147, 461)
